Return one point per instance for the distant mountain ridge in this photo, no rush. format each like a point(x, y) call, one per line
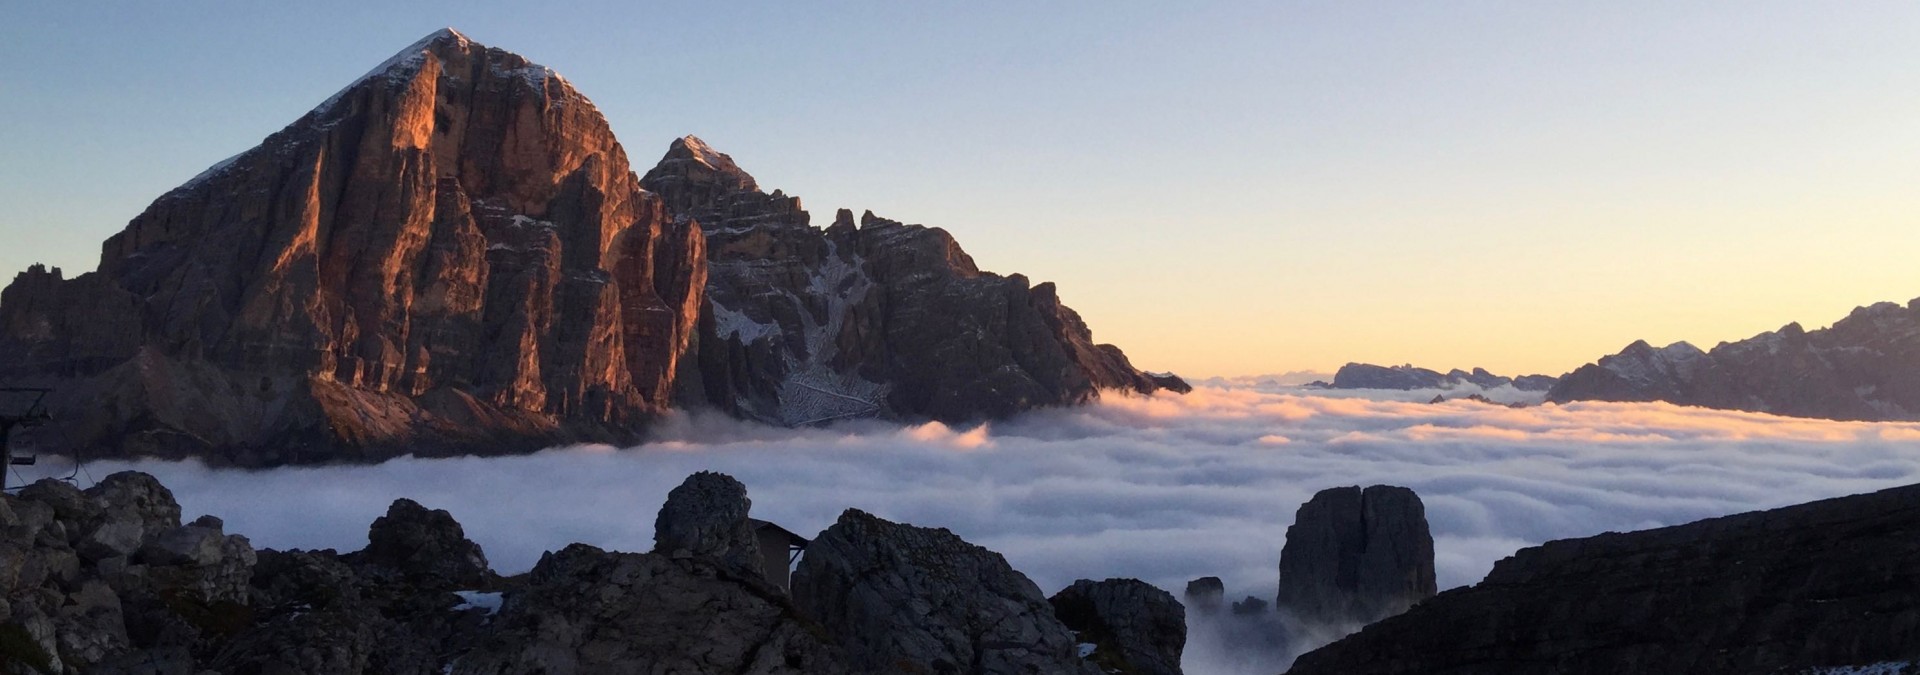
point(1408, 377)
point(1864, 367)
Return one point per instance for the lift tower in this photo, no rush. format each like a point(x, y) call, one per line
point(33, 414)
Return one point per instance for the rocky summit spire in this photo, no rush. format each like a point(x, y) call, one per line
point(449, 254)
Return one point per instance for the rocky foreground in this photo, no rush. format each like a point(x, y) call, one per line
point(109, 580)
point(1825, 587)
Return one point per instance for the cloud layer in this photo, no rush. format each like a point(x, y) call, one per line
point(1164, 488)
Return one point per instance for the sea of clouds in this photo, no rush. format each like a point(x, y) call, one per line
point(1164, 488)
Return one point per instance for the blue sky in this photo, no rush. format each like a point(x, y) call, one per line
point(1228, 188)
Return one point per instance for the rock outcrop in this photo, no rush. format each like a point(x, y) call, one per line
point(450, 255)
point(1354, 556)
point(1828, 586)
point(874, 319)
point(587, 611)
point(88, 576)
point(706, 516)
point(1864, 367)
point(1405, 377)
point(900, 598)
point(425, 546)
point(1206, 595)
point(1135, 628)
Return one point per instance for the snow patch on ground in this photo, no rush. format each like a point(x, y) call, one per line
point(478, 600)
point(734, 324)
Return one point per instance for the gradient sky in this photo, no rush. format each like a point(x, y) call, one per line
point(1234, 188)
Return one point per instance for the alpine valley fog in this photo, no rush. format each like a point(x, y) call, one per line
point(1165, 488)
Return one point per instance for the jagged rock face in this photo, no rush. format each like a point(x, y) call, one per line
point(1864, 367)
point(1404, 377)
point(426, 547)
point(900, 598)
point(1134, 627)
point(706, 516)
point(450, 254)
point(1354, 556)
point(875, 319)
point(590, 611)
point(1830, 583)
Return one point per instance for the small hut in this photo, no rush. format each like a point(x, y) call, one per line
point(779, 548)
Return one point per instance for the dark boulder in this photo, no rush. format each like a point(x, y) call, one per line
point(1354, 556)
point(425, 546)
point(900, 598)
point(706, 516)
point(1134, 627)
point(587, 611)
point(1206, 594)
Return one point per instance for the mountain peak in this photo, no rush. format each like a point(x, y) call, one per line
point(692, 165)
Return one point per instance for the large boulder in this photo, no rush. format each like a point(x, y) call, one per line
point(587, 611)
point(426, 546)
point(1354, 556)
point(1206, 595)
point(706, 516)
point(901, 598)
point(1134, 627)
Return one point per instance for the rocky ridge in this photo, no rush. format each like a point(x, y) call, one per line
point(1826, 586)
point(1864, 367)
point(1406, 377)
point(868, 318)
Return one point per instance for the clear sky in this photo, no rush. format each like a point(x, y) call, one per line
point(1221, 189)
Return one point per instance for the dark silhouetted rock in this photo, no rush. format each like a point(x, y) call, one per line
point(427, 546)
point(1369, 376)
point(1250, 606)
point(585, 611)
point(1353, 556)
point(1534, 382)
point(900, 598)
point(1825, 584)
point(1864, 367)
point(1206, 594)
point(1134, 627)
point(706, 516)
point(450, 255)
point(1405, 377)
point(874, 319)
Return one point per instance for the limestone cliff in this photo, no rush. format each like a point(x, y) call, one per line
point(450, 255)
